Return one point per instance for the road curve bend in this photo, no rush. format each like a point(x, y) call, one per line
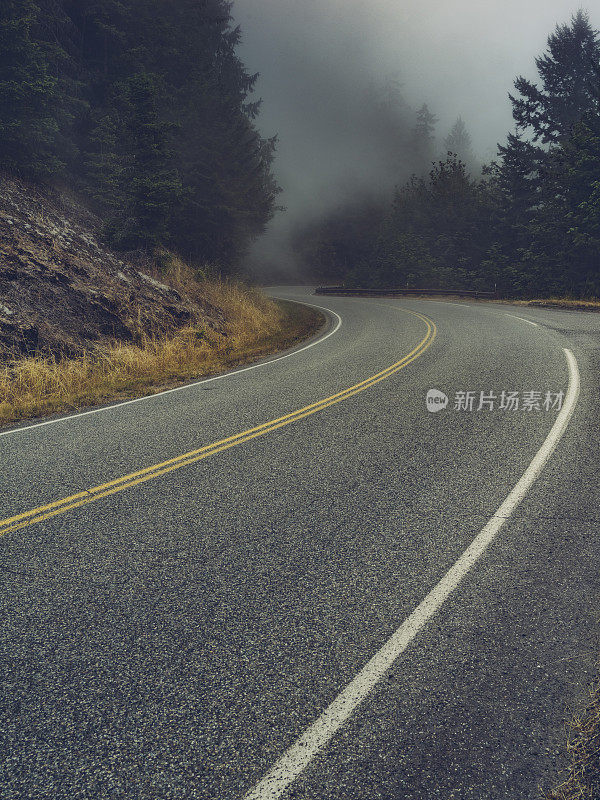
point(265, 585)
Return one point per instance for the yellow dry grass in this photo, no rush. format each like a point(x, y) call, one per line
point(592, 304)
point(256, 326)
point(583, 782)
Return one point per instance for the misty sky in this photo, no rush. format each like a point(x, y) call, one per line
point(317, 58)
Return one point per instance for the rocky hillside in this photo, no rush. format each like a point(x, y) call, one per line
point(63, 292)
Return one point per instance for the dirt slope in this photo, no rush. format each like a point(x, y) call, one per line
point(63, 292)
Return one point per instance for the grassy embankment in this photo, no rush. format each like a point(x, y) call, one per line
point(583, 781)
point(562, 302)
point(256, 326)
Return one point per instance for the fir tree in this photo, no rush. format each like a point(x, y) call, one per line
point(134, 167)
point(529, 176)
point(423, 140)
point(438, 232)
point(459, 142)
point(147, 108)
point(28, 94)
point(545, 115)
point(569, 77)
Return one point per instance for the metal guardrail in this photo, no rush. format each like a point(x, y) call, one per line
point(342, 290)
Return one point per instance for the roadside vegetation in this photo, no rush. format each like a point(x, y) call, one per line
point(255, 326)
point(145, 113)
point(583, 781)
point(144, 108)
point(526, 224)
point(563, 302)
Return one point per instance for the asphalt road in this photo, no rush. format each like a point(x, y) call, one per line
point(172, 635)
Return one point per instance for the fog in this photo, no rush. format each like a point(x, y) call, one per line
point(319, 61)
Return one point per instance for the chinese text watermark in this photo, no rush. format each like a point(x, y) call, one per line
point(466, 401)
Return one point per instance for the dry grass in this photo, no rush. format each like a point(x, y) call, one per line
point(583, 782)
point(562, 302)
point(256, 326)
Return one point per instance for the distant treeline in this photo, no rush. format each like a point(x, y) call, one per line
point(143, 105)
point(527, 224)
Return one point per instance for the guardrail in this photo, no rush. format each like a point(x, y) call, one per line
point(342, 290)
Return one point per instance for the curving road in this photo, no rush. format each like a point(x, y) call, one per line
point(191, 583)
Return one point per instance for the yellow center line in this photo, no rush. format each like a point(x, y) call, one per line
point(156, 470)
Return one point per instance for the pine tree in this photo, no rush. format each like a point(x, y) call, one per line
point(459, 142)
point(59, 37)
point(146, 107)
point(563, 250)
point(569, 78)
point(439, 231)
point(28, 95)
point(385, 118)
point(423, 139)
point(544, 116)
point(133, 167)
point(229, 191)
point(529, 176)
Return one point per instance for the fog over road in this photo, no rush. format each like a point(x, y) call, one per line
point(321, 64)
point(203, 572)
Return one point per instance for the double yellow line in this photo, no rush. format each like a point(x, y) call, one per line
point(156, 470)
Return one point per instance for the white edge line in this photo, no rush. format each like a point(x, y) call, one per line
point(295, 760)
point(320, 340)
point(514, 316)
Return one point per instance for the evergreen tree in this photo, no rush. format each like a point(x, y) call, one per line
point(133, 168)
point(459, 142)
point(385, 120)
point(423, 139)
point(569, 77)
point(562, 253)
point(529, 176)
point(545, 115)
point(229, 191)
point(439, 231)
point(59, 37)
point(28, 94)
point(531, 227)
point(146, 107)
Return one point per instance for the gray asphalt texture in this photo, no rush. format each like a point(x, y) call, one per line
point(171, 641)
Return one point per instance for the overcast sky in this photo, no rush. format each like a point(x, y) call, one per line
point(316, 58)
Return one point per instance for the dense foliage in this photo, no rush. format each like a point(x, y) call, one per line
point(144, 106)
point(530, 224)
